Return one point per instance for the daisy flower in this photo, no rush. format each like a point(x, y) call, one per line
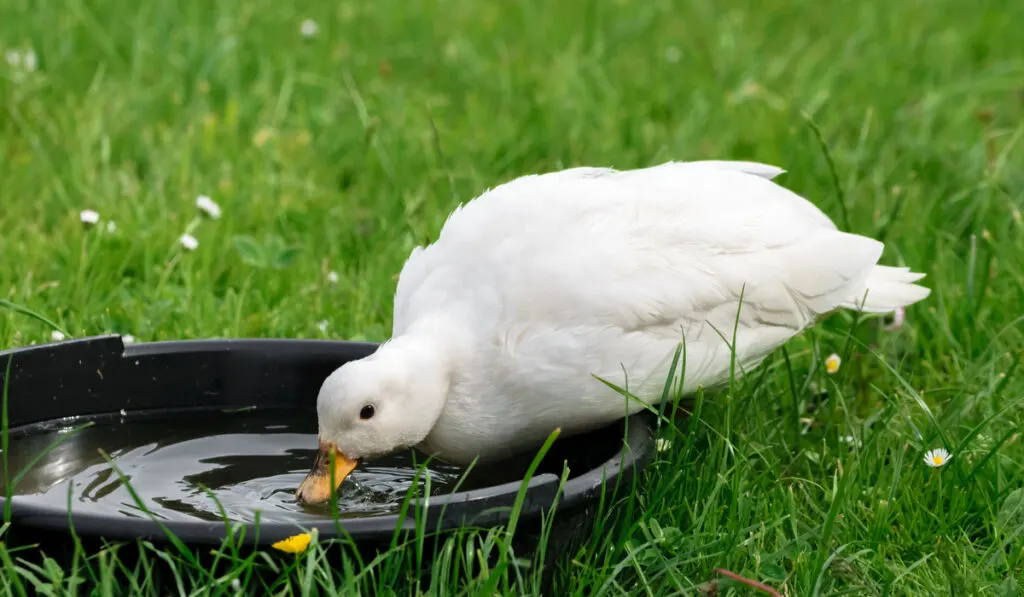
point(208, 206)
point(128, 339)
point(322, 326)
point(22, 62)
point(56, 336)
point(189, 242)
point(832, 363)
point(89, 217)
point(937, 457)
point(332, 277)
point(29, 60)
point(308, 28)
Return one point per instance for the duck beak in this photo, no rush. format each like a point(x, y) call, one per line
point(316, 488)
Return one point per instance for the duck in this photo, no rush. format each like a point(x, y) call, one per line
point(543, 294)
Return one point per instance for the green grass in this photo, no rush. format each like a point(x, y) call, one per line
point(340, 152)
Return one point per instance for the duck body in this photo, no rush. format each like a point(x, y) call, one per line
point(544, 284)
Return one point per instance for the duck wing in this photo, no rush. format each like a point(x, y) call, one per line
point(619, 266)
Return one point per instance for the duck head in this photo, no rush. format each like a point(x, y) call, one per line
point(372, 407)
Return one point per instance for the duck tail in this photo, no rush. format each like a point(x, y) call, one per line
point(887, 289)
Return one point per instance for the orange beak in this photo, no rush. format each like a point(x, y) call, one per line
point(316, 488)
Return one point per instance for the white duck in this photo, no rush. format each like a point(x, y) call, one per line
point(545, 282)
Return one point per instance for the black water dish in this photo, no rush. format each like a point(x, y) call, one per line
point(196, 385)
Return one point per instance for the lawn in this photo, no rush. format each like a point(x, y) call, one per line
point(332, 155)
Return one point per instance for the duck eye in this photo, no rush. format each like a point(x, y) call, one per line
point(367, 412)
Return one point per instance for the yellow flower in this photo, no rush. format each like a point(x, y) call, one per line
point(294, 544)
point(832, 363)
point(263, 135)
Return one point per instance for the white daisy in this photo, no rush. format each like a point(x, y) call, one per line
point(832, 363)
point(937, 457)
point(89, 217)
point(29, 60)
point(208, 206)
point(308, 28)
point(322, 326)
point(26, 61)
point(332, 277)
point(56, 336)
point(128, 339)
point(189, 242)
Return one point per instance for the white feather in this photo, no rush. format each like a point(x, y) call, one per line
point(546, 281)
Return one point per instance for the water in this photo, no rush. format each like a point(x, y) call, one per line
point(250, 461)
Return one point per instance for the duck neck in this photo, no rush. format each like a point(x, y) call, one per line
point(426, 358)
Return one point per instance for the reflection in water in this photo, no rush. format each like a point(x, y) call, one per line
point(248, 460)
